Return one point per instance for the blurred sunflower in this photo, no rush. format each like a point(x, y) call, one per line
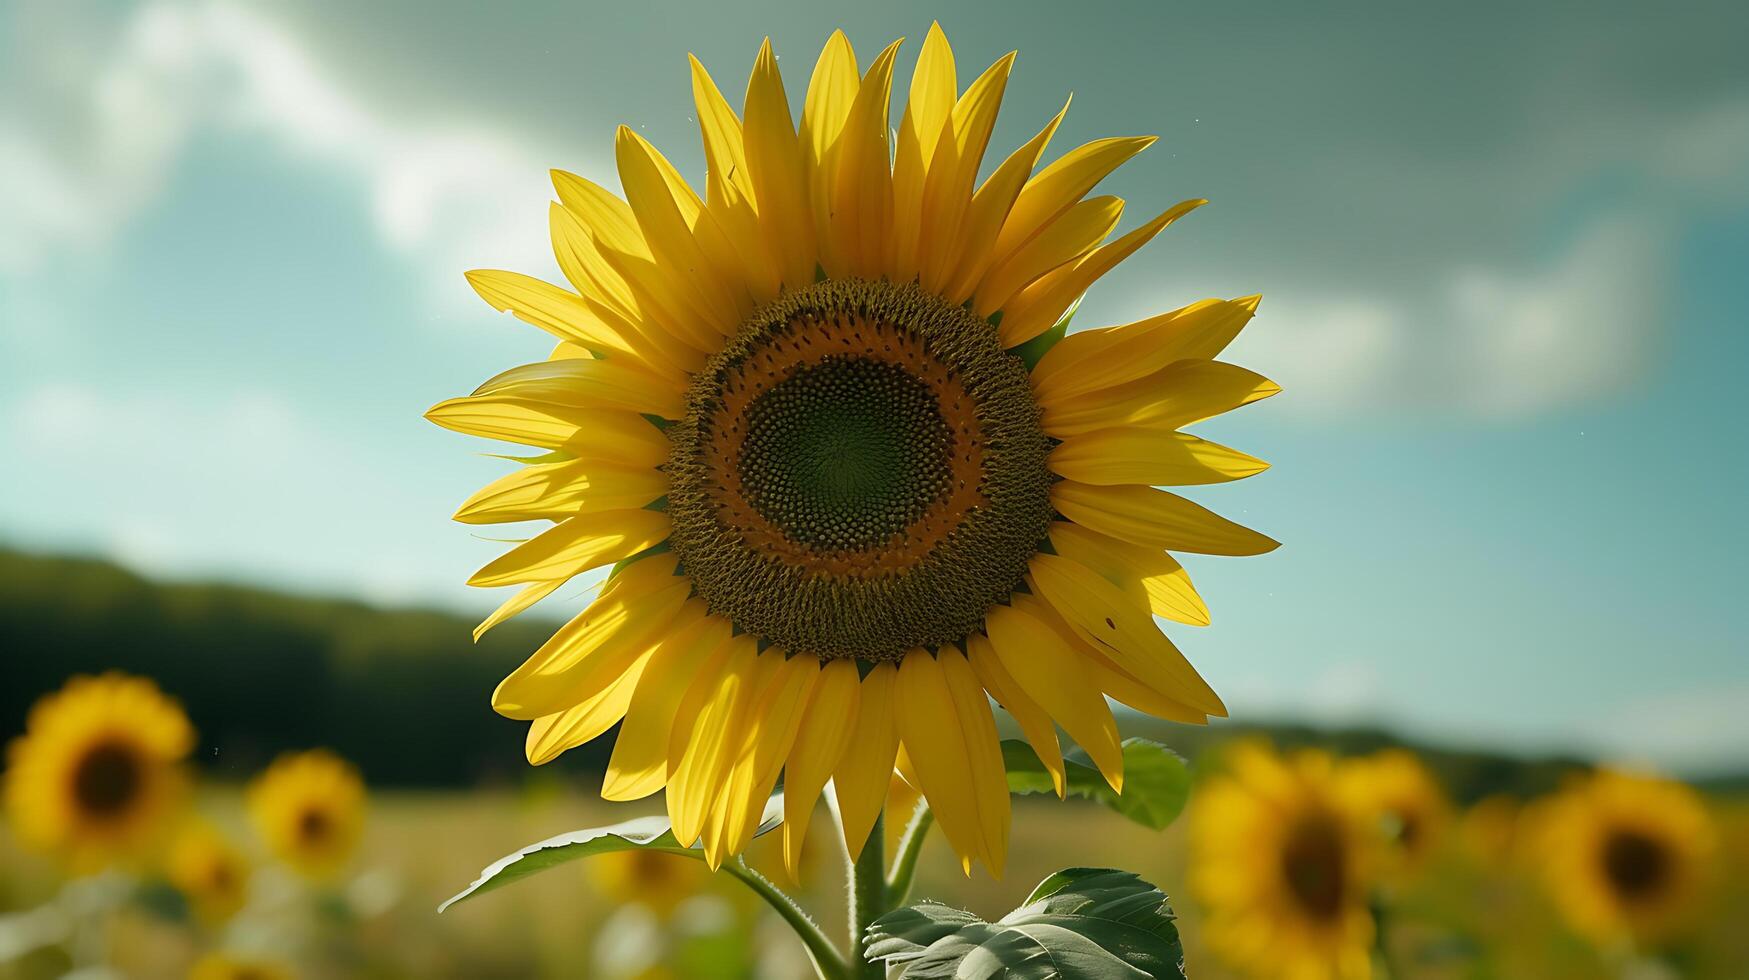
point(209, 871)
point(652, 878)
point(229, 966)
point(817, 419)
point(95, 776)
point(1407, 803)
point(1489, 829)
point(1625, 855)
point(1281, 859)
point(309, 808)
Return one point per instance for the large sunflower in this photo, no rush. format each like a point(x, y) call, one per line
point(1282, 858)
point(309, 808)
point(813, 418)
point(1625, 855)
point(95, 777)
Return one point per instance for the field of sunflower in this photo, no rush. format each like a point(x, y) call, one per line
point(848, 532)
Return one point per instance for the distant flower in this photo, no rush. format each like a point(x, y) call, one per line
point(95, 777)
point(811, 420)
point(209, 871)
point(1625, 855)
point(1407, 804)
point(231, 966)
point(1281, 859)
point(309, 808)
point(655, 879)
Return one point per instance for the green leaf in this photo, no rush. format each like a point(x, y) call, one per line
point(1033, 351)
point(1078, 924)
point(653, 833)
point(1156, 780)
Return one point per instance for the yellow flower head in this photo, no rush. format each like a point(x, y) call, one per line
point(95, 777)
point(1281, 859)
point(209, 871)
point(228, 966)
point(309, 808)
point(811, 420)
point(653, 878)
point(1625, 855)
point(1406, 803)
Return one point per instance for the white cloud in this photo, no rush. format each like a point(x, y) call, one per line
point(1696, 731)
point(81, 160)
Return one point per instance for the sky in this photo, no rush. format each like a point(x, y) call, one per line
point(1501, 248)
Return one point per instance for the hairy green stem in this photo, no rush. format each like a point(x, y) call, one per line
point(868, 900)
point(828, 962)
point(905, 863)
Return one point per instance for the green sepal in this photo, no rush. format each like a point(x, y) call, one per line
point(1033, 351)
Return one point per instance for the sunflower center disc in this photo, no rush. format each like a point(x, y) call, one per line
point(861, 471)
point(1313, 863)
point(1636, 864)
point(106, 780)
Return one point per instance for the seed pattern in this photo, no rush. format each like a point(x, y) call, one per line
point(861, 471)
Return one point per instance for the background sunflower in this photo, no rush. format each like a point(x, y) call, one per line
point(309, 809)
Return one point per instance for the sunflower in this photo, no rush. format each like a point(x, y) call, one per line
point(95, 777)
point(1407, 803)
point(309, 808)
point(228, 966)
point(656, 879)
point(823, 423)
point(1281, 859)
point(210, 872)
point(1624, 854)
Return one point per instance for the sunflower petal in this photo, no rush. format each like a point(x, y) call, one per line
point(552, 735)
point(668, 228)
point(1148, 575)
point(1157, 519)
point(773, 722)
point(947, 190)
point(825, 735)
point(1034, 721)
point(699, 760)
point(989, 209)
point(1051, 672)
point(576, 545)
point(555, 491)
point(517, 604)
point(1057, 187)
point(1039, 306)
point(775, 165)
point(639, 765)
point(951, 738)
point(831, 93)
point(934, 87)
point(1177, 395)
point(860, 781)
point(1094, 359)
point(1079, 230)
point(1142, 455)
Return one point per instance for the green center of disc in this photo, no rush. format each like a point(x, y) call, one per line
point(846, 453)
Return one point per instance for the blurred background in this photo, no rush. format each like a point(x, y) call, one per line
point(1502, 252)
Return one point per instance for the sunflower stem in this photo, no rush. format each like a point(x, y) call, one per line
point(828, 962)
point(905, 863)
point(868, 900)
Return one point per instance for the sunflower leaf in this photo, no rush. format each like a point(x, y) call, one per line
point(1156, 780)
point(652, 833)
point(1078, 924)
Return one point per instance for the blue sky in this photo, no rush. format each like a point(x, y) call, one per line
point(1501, 252)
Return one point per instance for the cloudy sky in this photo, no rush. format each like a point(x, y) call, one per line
point(1502, 252)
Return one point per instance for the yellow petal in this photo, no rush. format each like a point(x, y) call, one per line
point(1156, 518)
point(1148, 456)
point(989, 209)
point(557, 311)
point(610, 299)
point(615, 386)
point(1149, 576)
point(1057, 187)
point(831, 93)
point(862, 197)
point(950, 738)
point(552, 735)
point(947, 189)
point(511, 420)
point(517, 604)
point(1175, 396)
point(669, 231)
point(639, 765)
point(1039, 306)
point(1097, 612)
point(1090, 360)
point(860, 781)
point(555, 491)
point(934, 87)
point(699, 762)
point(1054, 675)
point(1076, 232)
point(729, 185)
point(772, 722)
point(588, 652)
point(775, 162)
point(1034, 721)
point(826, 731)
point(1117, 683)
point(576, 545)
